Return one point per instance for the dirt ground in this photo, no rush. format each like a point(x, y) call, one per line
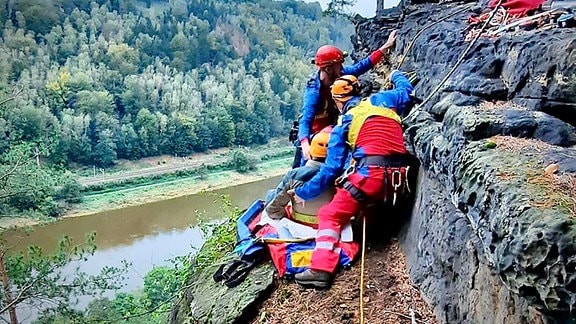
point(388, 295)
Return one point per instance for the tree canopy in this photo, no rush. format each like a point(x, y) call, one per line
point(128, 79)
point(105, 80)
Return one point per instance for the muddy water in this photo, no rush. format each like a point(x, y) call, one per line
point(145, 235)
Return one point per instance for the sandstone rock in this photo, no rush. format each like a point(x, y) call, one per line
point(483, 197)
point(485, 243)
point(207, 301)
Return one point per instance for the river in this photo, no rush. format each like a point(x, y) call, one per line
point(145, 235)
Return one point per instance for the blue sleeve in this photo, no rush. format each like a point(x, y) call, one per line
point(334, 165)
point(309, 103)
point(398, 97)
point(358, 68)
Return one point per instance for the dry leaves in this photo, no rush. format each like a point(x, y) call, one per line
point(517, 144)
point(500, 105)
point(388, 296)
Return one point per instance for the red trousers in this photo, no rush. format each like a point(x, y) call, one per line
point(333, 216)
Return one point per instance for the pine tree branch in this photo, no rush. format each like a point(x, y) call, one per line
point(15, 93)
point(14, 168)
point(20, 296)
point(150, 311)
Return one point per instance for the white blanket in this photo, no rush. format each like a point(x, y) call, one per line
point(288, 229)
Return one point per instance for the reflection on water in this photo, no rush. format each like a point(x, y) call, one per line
point(145, 235)
point(124, 227)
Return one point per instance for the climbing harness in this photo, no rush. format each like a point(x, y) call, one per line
point(458, 62)
point(396, 182)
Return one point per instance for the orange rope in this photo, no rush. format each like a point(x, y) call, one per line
point(362, 269)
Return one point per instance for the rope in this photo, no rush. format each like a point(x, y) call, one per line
point(460, 60)
point(413, 41)
point(423, 29)
point(362, 269)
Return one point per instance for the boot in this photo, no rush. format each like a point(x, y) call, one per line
point(313, 278)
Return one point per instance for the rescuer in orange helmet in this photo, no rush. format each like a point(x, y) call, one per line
point(369, 133)
point(318, 107)
point(277, 199)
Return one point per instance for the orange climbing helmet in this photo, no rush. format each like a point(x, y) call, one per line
point(345, 87)
point(328, 55)
point(319, 143)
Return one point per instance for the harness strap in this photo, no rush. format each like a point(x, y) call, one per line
point(395, 183)
point(354, 192)
point(379, 160)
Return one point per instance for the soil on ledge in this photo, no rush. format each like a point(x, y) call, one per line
point(388, 295)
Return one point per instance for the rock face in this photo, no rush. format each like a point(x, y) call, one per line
point(492, 239)
point(207, 301)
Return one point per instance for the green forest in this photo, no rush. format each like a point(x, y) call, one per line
point(85, 83)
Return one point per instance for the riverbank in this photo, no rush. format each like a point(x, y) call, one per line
point(162, 190)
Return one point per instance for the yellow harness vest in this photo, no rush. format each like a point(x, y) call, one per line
point(364, 110)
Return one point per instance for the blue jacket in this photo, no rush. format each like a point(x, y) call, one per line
point(312, 97)
point(338, 150)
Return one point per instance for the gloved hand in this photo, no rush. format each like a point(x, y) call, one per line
point(391, 74)
point(389, 43)
point(305, 149)
point(297, 199)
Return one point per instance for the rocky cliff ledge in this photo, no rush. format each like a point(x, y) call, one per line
point(492, 238)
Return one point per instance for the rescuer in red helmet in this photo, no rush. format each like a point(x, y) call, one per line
point(318, 108)
point(369, 140)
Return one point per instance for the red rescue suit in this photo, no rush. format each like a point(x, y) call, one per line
point(372, 133)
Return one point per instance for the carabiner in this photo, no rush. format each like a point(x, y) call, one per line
point(396, 184)
point(348, 171)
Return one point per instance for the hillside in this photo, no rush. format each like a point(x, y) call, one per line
point(84, 83)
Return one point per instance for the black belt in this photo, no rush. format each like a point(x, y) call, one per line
point(379, 160)
point(358, 194)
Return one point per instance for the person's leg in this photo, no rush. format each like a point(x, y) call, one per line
point(326, 254)
point(331, 218)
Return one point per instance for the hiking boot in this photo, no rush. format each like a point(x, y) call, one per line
point(313, 278)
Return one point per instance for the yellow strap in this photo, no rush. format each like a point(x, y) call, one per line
point(363, 111)
point(304, 218)
point(272, 240)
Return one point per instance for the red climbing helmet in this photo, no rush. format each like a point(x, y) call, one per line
point(328, 55)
